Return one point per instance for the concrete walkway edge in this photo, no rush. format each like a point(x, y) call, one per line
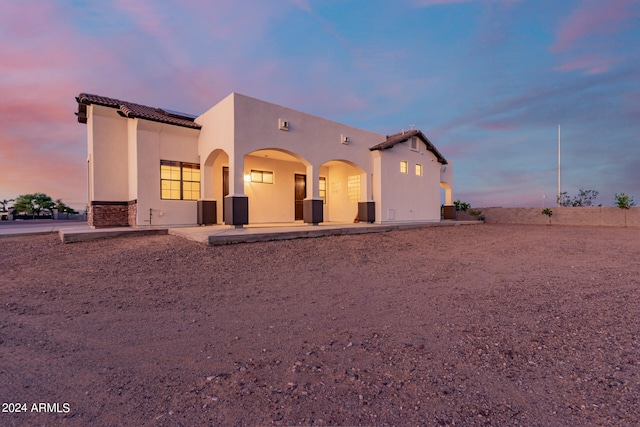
point(216, 235)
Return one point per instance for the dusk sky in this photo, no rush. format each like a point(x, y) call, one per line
point(488, 81)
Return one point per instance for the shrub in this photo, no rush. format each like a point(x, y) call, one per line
point(624, 201)
point(461, 206)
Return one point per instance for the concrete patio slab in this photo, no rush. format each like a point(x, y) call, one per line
point(224, 235)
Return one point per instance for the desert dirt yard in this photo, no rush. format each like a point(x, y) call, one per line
point(471, 325)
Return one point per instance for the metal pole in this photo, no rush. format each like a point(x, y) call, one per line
point(559, 181)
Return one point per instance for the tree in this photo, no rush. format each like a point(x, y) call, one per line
point(548, 212)
point(584, 198)
point(624, 201)
point(34, 203)
point(62, 208)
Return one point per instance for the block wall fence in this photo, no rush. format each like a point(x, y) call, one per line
point(598, 216)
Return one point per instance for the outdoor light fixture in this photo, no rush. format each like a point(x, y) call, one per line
point(283, 124)
point(344, 139)
point(247, 178)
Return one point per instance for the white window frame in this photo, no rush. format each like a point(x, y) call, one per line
point(404, 166)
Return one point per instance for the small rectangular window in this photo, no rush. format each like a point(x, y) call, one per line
point(264, 177)
point(413, 143)
point(418, 169)
point(404, 167)
point(179, 181)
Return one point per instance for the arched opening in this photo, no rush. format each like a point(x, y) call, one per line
point(342, 186)
point(446, 200)
point(275, 182)
point(215, 180)
point(448, 209)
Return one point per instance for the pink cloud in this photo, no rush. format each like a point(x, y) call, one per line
point(302, 4)
point(145, 13)
point(595, 17)
point(591, 64)
point(496, 125)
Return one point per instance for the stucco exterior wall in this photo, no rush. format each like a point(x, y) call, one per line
point(314, 139)
point(156, 142)
point(108, 150)
point(272, 202)
point(406, 196)
point(242, 133)
point(217, 134)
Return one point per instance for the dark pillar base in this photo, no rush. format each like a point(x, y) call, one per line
point(366, 211)
point(312, 211)
point(449, 212)
point(207, 212)
point(236, 210)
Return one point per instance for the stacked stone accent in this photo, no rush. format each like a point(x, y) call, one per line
point(111, 214)
point(132, 213)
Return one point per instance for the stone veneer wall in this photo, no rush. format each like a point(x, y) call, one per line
point(108, 214)
point(132, 212)
point(596, 215)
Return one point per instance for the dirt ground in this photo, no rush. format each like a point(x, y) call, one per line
point(473, 325)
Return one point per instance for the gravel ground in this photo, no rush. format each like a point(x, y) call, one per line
point(479, 325)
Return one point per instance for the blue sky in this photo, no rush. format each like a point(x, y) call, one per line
point(488, 81)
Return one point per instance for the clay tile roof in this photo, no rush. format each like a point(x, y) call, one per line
point(133, 110)
point(405, 136)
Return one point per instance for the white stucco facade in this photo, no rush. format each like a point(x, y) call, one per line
point(266, 163)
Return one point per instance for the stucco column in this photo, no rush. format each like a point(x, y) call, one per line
point(206, 181)
point(366, 205)
point(236, 204)
point(312, 208)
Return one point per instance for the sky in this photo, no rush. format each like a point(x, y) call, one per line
point(487, 81)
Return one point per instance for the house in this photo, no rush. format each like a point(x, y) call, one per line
point(247, 161)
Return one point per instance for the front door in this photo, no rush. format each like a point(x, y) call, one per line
point(300, 194)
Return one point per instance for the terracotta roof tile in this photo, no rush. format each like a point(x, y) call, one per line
point(405, 136)
point(133, 110)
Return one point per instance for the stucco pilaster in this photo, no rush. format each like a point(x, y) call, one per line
point(312, 184)
point(236, 174)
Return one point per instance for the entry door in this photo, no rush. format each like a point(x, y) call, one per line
point(300, 194)
point(225, 185)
